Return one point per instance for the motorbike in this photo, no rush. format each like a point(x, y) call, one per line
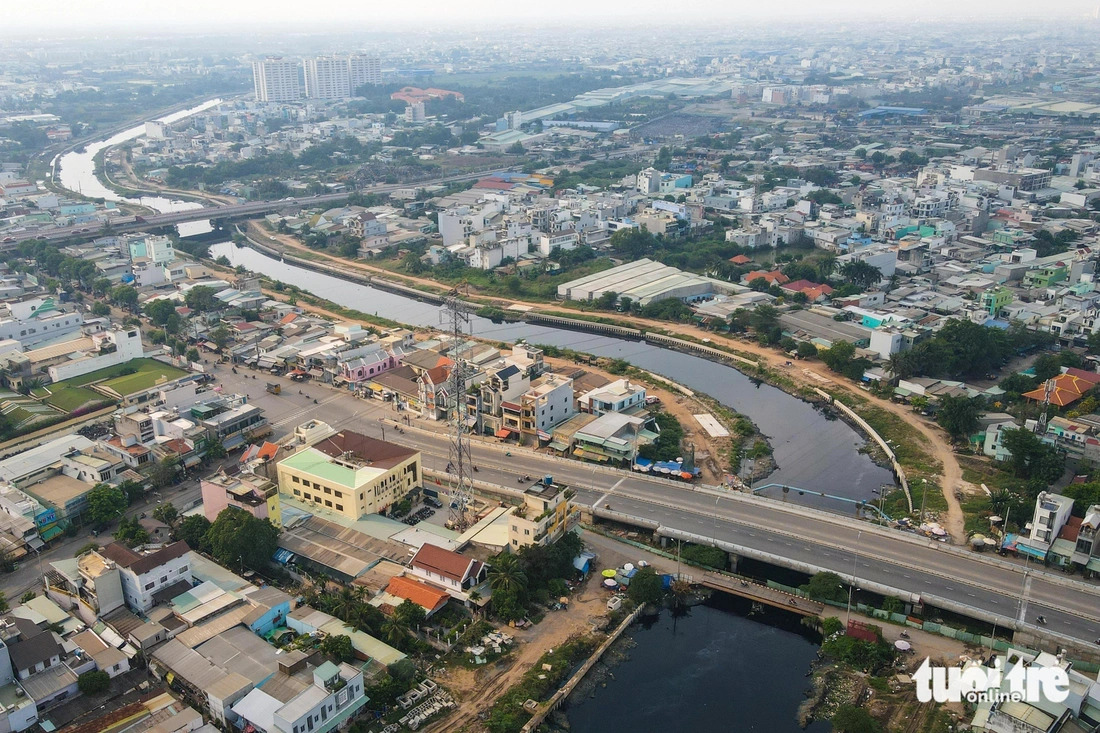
point(905, 634)
point(1041, 619)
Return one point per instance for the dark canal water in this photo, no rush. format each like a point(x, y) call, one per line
point(713, 669)
point(812, 451)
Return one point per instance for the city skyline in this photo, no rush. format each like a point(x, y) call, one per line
point(121, 16)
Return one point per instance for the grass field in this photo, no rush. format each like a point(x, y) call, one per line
point(149, 371)
point(70, 399)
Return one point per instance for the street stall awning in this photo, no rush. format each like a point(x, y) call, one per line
point(316, 373)
point(503, 433)
point(558, 445)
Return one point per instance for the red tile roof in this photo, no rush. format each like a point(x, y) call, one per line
point(422, 594)
point(446, 563)
point(1070, 529)
point(141, 564)
point(740, 260)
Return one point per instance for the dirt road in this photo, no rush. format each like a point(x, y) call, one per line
point(807, 373)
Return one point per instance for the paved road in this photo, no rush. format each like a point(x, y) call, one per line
point(802, 535)
point(820, 539)
point(127, 224)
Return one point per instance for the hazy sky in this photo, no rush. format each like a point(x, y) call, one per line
point(221, 15)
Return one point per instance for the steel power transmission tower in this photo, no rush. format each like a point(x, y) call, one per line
point(1041, 425)
point(456, 315)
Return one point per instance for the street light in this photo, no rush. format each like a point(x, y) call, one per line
point(923, 498)
point(382, 425)
point(852, 585)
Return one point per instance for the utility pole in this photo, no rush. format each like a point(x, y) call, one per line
point(456, 315)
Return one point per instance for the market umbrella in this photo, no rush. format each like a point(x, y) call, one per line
point(609, 583)
point(609, 573)
point(902, 646)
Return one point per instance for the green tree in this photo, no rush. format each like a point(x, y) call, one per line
point(825, 587)
point(93, 682)
point(506, 575)
point(105, 504)
point(958, 415)
point(338, 648)
point(1032, 458)
point(125, 296)
point(806, 350)
point(130, 532)
point(861, 274)
point(193, 530)
point(101, 309)
point(216, 451)
point(132, 489)
point(193, 355)
point(645, 587)
point(607, 299)
point(28, 596)
point(409, 613)
point(164, 472)
point(160, 311)
point(166, 513)
point(853, 719)
point(238, 539)
point(220, 336)
point(4, 607)
point(394, 632)
point(201, 299)
point(1084, 496)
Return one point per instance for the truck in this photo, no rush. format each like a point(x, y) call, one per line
point(274, 388)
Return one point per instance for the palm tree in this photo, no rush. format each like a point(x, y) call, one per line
point(825, 267)
point(506, 575)
point(393, 632)
point(346, 602)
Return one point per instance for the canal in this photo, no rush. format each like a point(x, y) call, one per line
point(715, 668)
point(76, 172)
point(812, 450)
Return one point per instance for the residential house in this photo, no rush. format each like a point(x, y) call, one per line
point(279, 706)
point(257, 495)
point(152, 577)
point(457, 574)
point(1052, 511)
point(618, 396)
point(545, 515)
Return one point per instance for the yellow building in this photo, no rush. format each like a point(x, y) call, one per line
point(350, 474)
point(545, 515)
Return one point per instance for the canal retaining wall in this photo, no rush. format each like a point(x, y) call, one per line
point(560, 696)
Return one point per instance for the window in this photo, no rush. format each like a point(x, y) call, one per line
point(297, 493)
point(338, 494)
point(328, 490)
point(308, 497)
point(164, 579)
point(149, 586)
point(316, 485)
point(339, 507)
point(328, 503)
point(296, 480)
point(183, 570)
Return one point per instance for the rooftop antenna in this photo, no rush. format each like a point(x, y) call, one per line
point(456, 315)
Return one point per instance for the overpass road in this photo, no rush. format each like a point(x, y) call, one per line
point(252, 208)
point(1004, 592)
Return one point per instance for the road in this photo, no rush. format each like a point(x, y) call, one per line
point(252, 208)
point(804, 536)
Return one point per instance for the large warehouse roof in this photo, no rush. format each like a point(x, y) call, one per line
point(644, 281)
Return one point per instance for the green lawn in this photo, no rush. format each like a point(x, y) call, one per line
point(149, 372)
point(70, 399)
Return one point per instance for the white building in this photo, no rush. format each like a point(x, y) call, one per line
point(335, 695)
point(34, 321)
point(492, 254)
point(415, 112)
point(618, 396)
point(144, 576)
point(328, 77)
point(157, 130)
point(114, 348)
point(548, 243)
point(276, 79)
point(1051, 513)
point(364, 70)
point(550, 402)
